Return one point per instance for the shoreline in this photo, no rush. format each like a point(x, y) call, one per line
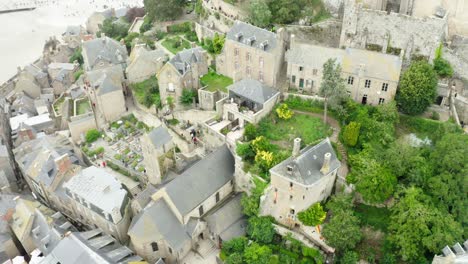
point(17, 10)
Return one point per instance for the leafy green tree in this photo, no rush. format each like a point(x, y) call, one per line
point(313, 216)
point(373, 181)
point(114, 29)
point(417, 228)
point(92, 135)
point(387, 113)
point(250, 132)
point(265, 160)
point(343, 231)
point(332, 88)
point(235, 245)
point(164, 10)
point(340, 202)
point(259, 13)
point(350, 257)
point(441, 65)
point(129, 40)
point(187, 96)
point(417, 88)
point(77, 56)
point(245, 151)
point(218, 43)
point(283, 112)
point(260, 143)
point(351, 133)
point(235, 258)
point(250, 204)
point(285, 11)
point(261, 229)
point(256, 254)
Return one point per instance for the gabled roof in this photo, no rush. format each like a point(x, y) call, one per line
point(306, 166)
point(227, 219)
point(253, 90)
point(312, 56)
point(159, 136)
point(157, 222)
point(252, 36)
point(106, 80)
point(104, 48)
point(202, 180)
point(183, 60)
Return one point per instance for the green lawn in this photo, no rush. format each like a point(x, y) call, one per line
point(378, 218)
point(82, 107)
point(215, 82)
point(283, 132)
point(175, 44)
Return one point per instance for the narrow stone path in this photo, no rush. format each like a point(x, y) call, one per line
point(335, 125)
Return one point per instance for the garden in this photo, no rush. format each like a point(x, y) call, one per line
point(147, 92)
point(215, 82)
point(175, 44)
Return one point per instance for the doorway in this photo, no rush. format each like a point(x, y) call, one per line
point(364, 99)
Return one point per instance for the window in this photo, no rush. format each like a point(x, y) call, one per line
point(290, 185)
point(381, 100)
point(384, 87)
point(154, 246)
point(261, 62)
point(200, 210)
point(293, 79)
point(170, 87)
point(301, 68)
point(292, 211)
point(236, 51)
point(314, 71)
point(217, 197)
point(303, 197)
point(290, 197)
point(247, 56)
point(236, 65)
point(350, 80)
point(311, 83)
point(170, 250)
point(260, 76)
point(247, 70)
point(367, 84)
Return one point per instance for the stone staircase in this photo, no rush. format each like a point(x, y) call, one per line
point(206, 248)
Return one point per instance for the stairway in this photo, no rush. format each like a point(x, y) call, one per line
point(206, 248)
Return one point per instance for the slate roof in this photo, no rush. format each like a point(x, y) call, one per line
point(72, 30)
point(99, 188)
point(159, 136)
point(242, 32)
point(306, 166)
point(376, 65)
point(183, 60)
point(144, 197)
point(253, 90)
point(158, 222)
point(106, 80)
point(227, 219)
point(201, 180)
point(7, 206)
point(104, 48)
point(64, 66)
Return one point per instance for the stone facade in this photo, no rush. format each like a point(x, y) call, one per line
point(155, 145)
point(391, 32)
point(144, 63)
point(250, 52)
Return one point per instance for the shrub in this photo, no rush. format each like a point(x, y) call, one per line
point(250, 131)
point(187, 96)
point(351, 133)
point(313, 216)
point(92, 135)
point(443, 68)
point(180, 28)
point(264, 160)
point(245, 151)
point(284, 112)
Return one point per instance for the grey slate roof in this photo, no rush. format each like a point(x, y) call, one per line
point(183, 60)
point(72, 30)
point(307, 165)
point(227, 219)
point(159, 136)
point(144, 197)
point(99, 188)
point(106, 80)
point(7, 205)
point(242, 32)
point(201, 180)
point(312, 55)
point(252, 90)
point(104, 48)
point(157, 222)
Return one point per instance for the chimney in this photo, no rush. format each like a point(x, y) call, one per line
point(326, 164)
point(296, 147)
point(63, 163)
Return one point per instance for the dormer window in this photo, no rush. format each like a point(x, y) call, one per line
point(250, 41)
point(239, 36)
point(264, 45)
point(289, 169)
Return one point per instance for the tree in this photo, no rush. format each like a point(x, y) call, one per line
point(350, 257)
point(250, 204)
point(313, 216)
point(259, 13)
point(250, 131)
point(235, 258)
point(261, 229)
point(285, 11)
point(332, 88)
point(245, 151)
point(283, 112)
point(339, 203)
point(164, 10)
point(77, 56)
point(260, 143)
point(417, 88)
point(343, 231)
point(218, 43)
point(256, 254)
point(114, 28)
point(265, 160)
point(235, 245)
point(187, 96)
point(170, 103)
point(373, 181)
point(351, 134)
point(133, 13)
point(92, 135)
point(417, 228)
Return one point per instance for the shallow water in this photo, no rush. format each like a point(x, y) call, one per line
point(23, 34)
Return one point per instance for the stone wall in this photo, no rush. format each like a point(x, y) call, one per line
point(414, 35)
point(205, 32)
point(326, 33)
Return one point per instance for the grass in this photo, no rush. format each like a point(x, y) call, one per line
point(423, 127)
point(283, 132)
point(376, 217)
point(175, 44)
point(147, 92)
point(215, 82)
point(82, 107)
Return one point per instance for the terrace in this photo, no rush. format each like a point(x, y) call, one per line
point(213, 82)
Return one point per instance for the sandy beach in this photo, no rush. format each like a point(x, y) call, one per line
point(23, 34)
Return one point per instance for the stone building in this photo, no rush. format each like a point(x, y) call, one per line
point(174, 223)
point(107, 85)
point(31, 80)
point(183, 71)
point(250, 52)
point(56, 51)
point(306, 178)
point(103, 52)
point(144, 63)
point(155, 147)
point(73, 36)
point(370, 77)
point(100, 201)
point(7, 174)
point(392, 32)
point(9, 247)
point(458, 253)
point(62, 76)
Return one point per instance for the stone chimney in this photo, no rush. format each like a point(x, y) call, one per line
point(326, 164)
point(63, 163)
point(296, 147)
